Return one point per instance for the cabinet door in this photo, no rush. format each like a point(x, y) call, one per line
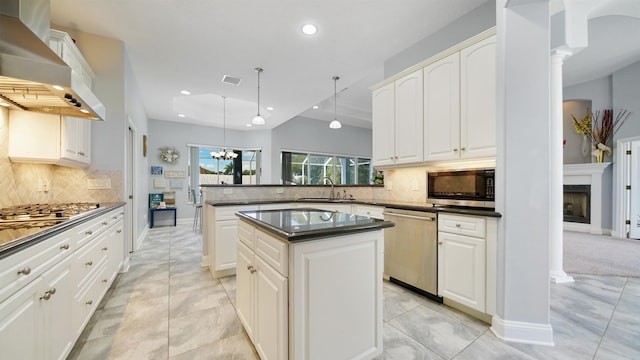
point(34, 137)
point(409, 118)
point(58, 309)
point(383, 125)
point(442, 109)
point(225, 249)
point(272, 330)
point(84, 142)
point(478, 99)
point(245, 293)
point(461, 269)
point(76, 139)
point(21, 324)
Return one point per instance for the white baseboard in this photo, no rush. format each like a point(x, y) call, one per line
point(522, 332)
point(141, 238)
point(205, 260)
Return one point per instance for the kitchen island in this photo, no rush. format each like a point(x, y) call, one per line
point(309, 283)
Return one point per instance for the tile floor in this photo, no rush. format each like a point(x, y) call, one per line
point(168, 307)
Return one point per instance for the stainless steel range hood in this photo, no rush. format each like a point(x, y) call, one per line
point(32, 76)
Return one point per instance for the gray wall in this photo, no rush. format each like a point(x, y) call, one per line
point(312, 135)
point(599, 91)
point(626, 95)
point(474, 22)
point(299, 133)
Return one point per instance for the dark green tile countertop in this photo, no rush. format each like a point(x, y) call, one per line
point(404, 205)
point(296, 225)
point(12, 241)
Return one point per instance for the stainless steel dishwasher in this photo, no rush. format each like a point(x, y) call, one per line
point(411, 251)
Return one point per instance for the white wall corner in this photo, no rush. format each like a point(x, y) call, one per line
point(521, 332)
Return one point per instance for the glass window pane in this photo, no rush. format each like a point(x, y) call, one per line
point(320, 166)
point(364, 171)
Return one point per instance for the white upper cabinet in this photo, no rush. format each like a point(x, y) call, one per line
point(397, 121)
point(442, 109)
point(49, 139)
point(408, 136)
point(445, 110)
point(460, 96)
point(478, 99)
point(384, 125)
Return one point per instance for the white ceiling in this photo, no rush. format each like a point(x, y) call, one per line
point(177, 44)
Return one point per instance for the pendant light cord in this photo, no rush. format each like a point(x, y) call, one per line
point(335, 97)
point(258, 70)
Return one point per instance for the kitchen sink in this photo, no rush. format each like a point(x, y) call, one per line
point(320, 199)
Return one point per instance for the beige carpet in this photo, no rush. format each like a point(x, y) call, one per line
point(601, 255)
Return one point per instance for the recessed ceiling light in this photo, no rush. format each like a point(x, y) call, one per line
point(270, 108)
point(309, 29)
point(248, 125)
point(182, 115)
point(315, 106)
point(185, 92)
point(58, 87)
point(4, 104)
point(84, 111)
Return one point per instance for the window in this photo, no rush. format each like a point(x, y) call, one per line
point(204, 169)
point(306, 168)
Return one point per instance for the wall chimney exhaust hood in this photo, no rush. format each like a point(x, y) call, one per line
point(32, 76)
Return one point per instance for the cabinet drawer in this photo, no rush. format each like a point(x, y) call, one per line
point(19, 269)
point(463, 225)
point(229, 212)
point(89, 259)
point(90, 229)
point(273, 251)
point(245, 234)
point(370, 211)
point(87, 301)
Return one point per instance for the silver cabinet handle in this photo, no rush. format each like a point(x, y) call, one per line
point(64, 247)
point(119, 231)
point(89, 302)
point(463, 149)
point(81, 153)
point(115, 217)
point(458, 225)
point(105, 281)
point(89, 263)
point(409, 216)
point(455, 150)
point(47, 294)
point(25, 271)
point(251, 269)
point(105, 223)
point(440, 242)
point(88, 232)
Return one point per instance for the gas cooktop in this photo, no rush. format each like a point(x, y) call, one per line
point(41, 215)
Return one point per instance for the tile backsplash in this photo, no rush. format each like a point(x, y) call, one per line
point(20, 182)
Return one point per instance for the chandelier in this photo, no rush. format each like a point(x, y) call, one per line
point(224, 154)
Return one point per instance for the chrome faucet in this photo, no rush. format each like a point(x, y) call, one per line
point(330, 182)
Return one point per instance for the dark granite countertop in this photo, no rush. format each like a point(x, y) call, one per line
point(12, 241)
point(403, 205)
point(296, 225)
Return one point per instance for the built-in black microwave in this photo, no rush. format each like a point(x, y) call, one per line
point(462, 187)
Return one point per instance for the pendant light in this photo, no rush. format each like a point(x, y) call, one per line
point(335, 124)
point(258, 120)
point(224, 154)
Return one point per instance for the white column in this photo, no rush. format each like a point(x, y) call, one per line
point(556, 271)
point(522, 172)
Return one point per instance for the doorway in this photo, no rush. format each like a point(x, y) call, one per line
point(628, 188)
point(130, 190)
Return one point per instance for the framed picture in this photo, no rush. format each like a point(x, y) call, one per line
point(144, 145)
point(156, 170)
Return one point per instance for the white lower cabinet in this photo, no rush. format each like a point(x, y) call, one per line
point(49, 291)
point(220, 232)
point(466, 260)
point(35, 323)
point(317, 299)
point(262, 302)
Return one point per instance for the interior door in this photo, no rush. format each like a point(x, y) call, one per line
point(634, 229)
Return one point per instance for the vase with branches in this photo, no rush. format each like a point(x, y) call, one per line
point(599, 128)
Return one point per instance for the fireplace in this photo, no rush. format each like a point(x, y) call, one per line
point(577, 204)
point(587, 205)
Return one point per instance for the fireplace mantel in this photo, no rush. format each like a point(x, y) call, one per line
point(599, 176)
